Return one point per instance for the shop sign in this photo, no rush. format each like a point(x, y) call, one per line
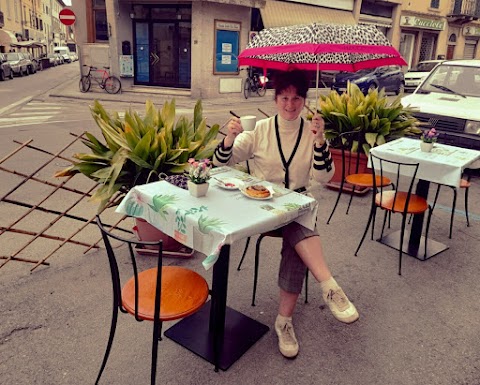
point(471, 31)
point(422, 22)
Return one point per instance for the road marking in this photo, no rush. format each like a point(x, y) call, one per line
point(43, 122)
point(25, 118)
point(40, 108)
point(13, 105)
point(38, 113)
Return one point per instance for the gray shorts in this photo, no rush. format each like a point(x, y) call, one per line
point(292, 269)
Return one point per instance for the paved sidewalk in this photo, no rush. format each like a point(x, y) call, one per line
point(420, 328)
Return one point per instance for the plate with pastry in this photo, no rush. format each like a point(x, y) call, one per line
point(257, 191)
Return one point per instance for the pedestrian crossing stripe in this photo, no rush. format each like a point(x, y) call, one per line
point(25, 118)
point(38, 113)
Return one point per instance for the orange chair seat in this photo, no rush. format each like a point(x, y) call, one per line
point(366, 180)
point(416, 205)
point(183, 293)
point(464, 183)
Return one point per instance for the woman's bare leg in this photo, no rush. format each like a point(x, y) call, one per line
point(311, 252)
point(287, 303)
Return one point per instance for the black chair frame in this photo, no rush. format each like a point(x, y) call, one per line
point(117, 297)
point(414, 168)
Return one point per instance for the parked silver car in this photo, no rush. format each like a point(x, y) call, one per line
point(18, 63)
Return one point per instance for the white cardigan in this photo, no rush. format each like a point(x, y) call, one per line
point(260, 148)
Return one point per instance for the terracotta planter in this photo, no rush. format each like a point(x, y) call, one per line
point(146, 232)
point(334, 183)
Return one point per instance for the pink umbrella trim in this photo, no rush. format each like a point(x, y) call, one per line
point(314, 48)
point(350, 67)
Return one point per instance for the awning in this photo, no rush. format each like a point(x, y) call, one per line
point(7, 37)
point(375, 20)
point(28, 44)
point(282, 14)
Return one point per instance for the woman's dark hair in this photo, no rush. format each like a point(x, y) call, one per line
point(296, 78)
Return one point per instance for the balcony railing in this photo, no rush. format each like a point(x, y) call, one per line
point(465, 8)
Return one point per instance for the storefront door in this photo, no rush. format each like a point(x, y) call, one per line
point(162, 53)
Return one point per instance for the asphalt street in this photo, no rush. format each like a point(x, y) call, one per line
point(420, 328)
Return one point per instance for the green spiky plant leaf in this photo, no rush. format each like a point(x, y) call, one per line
point(373, 114)
point(136, 150)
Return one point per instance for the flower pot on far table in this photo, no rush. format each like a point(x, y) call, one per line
point(426, 147)
point(197, 189)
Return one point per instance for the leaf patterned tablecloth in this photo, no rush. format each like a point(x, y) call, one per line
point(444, 164)
point(221, 217)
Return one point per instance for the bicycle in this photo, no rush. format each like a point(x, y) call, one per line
point(254, 83)
point(107, 82)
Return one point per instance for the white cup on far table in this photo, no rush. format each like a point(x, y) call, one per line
point(248, 122)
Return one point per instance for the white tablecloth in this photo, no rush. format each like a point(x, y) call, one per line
point(444, 164)
point(221, 217)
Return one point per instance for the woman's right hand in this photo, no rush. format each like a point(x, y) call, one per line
point(234, 128)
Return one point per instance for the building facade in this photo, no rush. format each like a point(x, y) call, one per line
point(31, 25)
point(439, 29)
point(191, 47)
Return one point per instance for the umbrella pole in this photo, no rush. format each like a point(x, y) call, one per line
point(316, 85)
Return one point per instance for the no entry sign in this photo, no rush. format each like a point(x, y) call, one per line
point(66, 16)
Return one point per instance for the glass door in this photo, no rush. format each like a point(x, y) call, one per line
point(162, 53)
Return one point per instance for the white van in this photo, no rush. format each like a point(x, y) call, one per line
point(64, 52)
point(449, 99)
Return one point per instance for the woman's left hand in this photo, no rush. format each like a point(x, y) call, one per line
point(317, 127)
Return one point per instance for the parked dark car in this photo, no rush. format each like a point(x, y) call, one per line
point(36, 62)
point(388, 77)
point(18, 63)
point(31, 65)
point(5, 69)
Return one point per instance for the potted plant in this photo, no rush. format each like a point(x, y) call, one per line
point(198, 176)
point(428, 139)
point(377, 119)
point(139, 150)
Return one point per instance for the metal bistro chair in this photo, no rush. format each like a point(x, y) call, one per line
point(274, 234)
point(164, 293)
point(464, 184)
point(401, 200)
point(351, 144)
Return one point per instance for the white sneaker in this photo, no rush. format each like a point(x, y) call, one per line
point(287, 342)
point(340, 306)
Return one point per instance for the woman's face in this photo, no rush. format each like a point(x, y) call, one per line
point(289, 104)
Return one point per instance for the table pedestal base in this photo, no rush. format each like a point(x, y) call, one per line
point(241, 332)
point(434, 247)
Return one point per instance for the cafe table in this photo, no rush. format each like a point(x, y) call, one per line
point(210, 225)
point(443, 165)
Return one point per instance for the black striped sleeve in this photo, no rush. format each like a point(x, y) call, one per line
point(222, 153)
point(322, 159)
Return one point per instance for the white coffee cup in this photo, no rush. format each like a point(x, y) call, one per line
point(248, 122)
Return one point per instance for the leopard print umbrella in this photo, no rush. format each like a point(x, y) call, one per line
point(320, 47)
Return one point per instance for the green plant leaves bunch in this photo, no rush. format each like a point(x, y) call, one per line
point(378, 119)
point(139, 149)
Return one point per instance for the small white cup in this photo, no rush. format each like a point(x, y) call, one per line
point(248, 122)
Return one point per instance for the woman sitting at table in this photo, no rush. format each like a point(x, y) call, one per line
point(285, 149)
